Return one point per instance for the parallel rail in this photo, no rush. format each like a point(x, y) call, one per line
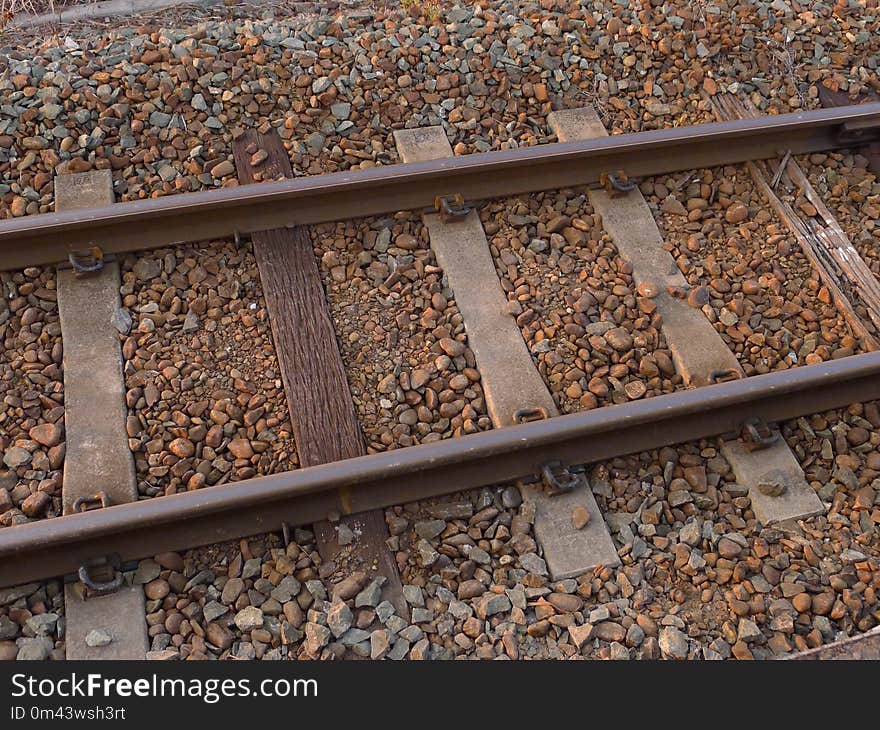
point(144, 224)
point(59, 546)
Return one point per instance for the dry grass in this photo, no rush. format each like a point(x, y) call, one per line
point(10, 9)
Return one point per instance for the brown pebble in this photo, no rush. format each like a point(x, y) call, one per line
point(580, 517)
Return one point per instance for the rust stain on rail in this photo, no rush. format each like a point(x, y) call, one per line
point(54, 547)
point(150, 223)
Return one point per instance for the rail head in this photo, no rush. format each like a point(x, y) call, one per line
point(48, 548)
point(155, 222)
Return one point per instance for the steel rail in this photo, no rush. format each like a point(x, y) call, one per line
point(143, 224)
point(59, 546)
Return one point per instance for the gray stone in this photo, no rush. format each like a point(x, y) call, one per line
point(167, 173)
point(412, 634)
point(214, 610)
point(249, 618)
point(321, 84)
point(191, 324)
point(160, 119)
point(691, 533)
point(430, 529)
point(317, 589)
point(340, 110)
point(460, 610)
point(384, 611)
point(479, 556)
point(51, 111)
point(315, 142)
point(395, 624)
point(422, 615)
point(825, 627)
point(339, 618)
point(673, 643)
point(748, 630)
point(36, 649)
point(354, 636)
point(511, 497)
point(399, 650)
point(533, 563)
point(413, 595)
point(147, 570)
point(43, 624)
point(344, 535)
point(8, 628)
point(635, 635)
point(251, 568)
point(16, 457)
point(147, 268)
point(286, 589)
point(232, 590)
point(492, 603)
point(98, 637)
point(420, 651)
point(427, 553)
point(122, 321)
point(371, 595)
point(11, 595)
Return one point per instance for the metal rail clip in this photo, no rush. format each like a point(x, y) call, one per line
point(101, 576)
point(757, 435)
point(618, 183)
point(86, 261)
point(451, 207)
point(724, 376)
point(98, 500)
point(527, 415)
point(558, 478)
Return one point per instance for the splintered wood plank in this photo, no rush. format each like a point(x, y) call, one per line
point(822, 240)
point(692, 339)
point(325, 424)
point(98, 458)
point(698, 348)
point(509, 377)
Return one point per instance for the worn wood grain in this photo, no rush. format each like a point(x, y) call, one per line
point(822, 240)
point(325, 424)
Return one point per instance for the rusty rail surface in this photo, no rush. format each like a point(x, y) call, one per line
point(144, 224)
point(59, 546)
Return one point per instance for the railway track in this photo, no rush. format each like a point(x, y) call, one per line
point(703, 391)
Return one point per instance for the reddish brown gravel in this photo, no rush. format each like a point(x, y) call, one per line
point(412, 375)
point(594, 340)
point(747, 271)
point(206, 402)
point(31, 397)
